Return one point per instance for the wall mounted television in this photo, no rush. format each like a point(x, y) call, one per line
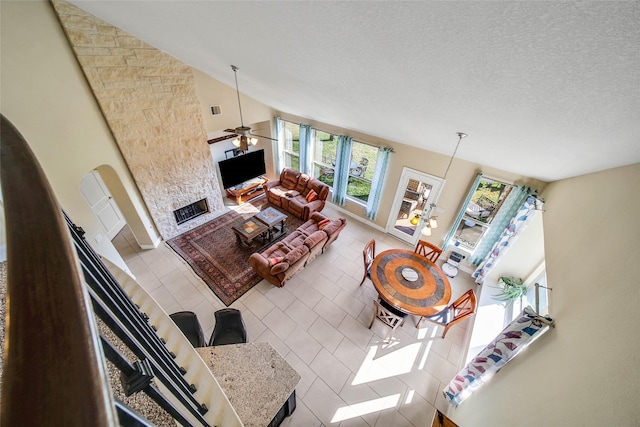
point(239, 169)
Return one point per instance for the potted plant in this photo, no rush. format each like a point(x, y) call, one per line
point(510, 289)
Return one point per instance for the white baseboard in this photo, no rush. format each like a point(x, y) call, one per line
point(357, 218)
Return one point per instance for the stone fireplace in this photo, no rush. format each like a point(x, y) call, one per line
point(149, 101)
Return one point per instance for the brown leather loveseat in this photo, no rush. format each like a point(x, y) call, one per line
point(282, 260)
point(292, 193)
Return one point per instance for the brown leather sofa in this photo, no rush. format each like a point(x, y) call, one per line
point(282, 260)
point(291, 190)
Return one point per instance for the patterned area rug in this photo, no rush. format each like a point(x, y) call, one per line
point(215, 255)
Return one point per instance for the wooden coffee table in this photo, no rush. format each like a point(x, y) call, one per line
point(248, 230)
point(272, 217)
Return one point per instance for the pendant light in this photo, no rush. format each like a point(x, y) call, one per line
point(244, 139)
point(432, 222)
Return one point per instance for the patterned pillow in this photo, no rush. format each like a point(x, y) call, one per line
point(275, 260)
point(322, 224)
point(311, 196)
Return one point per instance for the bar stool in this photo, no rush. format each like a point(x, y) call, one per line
point(229, 328)
point(188, 323)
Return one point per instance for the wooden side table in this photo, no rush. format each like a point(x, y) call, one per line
point(271, 217)
point(247, 190)
point(248, 230)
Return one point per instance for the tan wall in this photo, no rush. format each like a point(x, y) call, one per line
point(459, 179)
point(212, 92)
point(580, 374)
point(46, 97)
point(585, 371)
point(255, 115)
point(525, 254)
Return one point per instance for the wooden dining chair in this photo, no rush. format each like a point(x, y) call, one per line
point(459, 310)
point(368, 254)
point(388, 315)
point(428, 250)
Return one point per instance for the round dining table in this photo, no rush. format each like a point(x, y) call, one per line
point(410, 282)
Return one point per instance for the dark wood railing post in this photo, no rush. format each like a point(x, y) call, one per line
point(53, 368)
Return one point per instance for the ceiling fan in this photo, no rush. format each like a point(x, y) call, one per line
point(244, 134)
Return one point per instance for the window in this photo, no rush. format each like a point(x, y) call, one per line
point(323, 156)
point(291, 145)
point(485, 202)
point(542, 302)
point(323, 160)
point(363, 164)
point(539, 302)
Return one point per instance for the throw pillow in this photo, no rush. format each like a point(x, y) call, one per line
point(275, 260)
point(322, 224)
point(311, 196)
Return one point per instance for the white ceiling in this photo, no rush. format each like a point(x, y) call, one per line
point(548, 90)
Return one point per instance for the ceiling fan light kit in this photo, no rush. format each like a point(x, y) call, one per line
point(242, 142)
point(245, 137)
point(432, 221)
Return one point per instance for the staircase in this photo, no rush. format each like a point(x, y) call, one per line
point(71, 325)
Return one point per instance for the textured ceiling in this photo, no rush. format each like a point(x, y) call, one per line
point(548, 90)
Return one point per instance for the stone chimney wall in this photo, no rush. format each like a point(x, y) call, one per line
point(149, 101)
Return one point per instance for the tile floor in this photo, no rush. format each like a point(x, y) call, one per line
point(351, 375)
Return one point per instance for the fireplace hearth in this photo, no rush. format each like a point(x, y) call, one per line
point(191, 211)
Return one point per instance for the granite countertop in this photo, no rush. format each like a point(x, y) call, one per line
point(255, 378)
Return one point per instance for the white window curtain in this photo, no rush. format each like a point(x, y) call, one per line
point(341, 170)
point(382, 164)
point(307, 135)
point(279, 145)
point(527, 327)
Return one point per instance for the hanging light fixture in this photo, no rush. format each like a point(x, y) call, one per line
point(244, 138)
point(432, 221)
point(242, 142)
point(460, 136)
point(415, 220)
point(244, 135)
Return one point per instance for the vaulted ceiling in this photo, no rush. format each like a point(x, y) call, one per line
point(548, 90)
